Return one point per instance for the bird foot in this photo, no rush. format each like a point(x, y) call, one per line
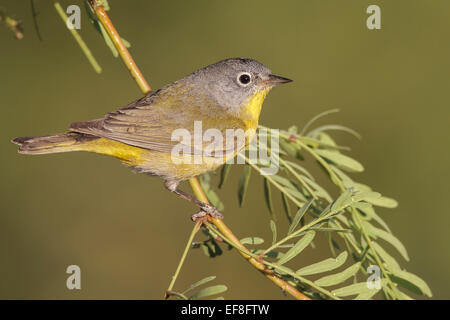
point(207, 209)
point(200, 217)
point(212, 211)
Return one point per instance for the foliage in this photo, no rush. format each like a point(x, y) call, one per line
point(202, 293)
point(357, 236)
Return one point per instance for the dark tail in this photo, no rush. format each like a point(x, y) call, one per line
point(64, 142)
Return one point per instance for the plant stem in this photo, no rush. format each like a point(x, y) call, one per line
point(36, 25)
point(198, 190)
point(195, 185)
point(226, 233)
point(304, 228)
point(183, 257)
point(79, 40)
point(120, 46)
point(244, 251)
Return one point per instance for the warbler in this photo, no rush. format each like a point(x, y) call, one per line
point(227, 95)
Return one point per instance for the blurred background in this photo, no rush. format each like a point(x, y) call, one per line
point(124, 230)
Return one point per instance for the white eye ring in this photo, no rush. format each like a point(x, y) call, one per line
point(244, 79)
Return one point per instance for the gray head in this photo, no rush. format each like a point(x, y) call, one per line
point(232, 82)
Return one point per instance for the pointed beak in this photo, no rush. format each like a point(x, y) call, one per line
point(275, 80)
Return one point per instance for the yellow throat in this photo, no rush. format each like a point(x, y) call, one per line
point(250, 113)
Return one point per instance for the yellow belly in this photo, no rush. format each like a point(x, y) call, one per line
point(129, 154)
point(154, 162)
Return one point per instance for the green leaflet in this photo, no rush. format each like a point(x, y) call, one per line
point(378, 233)
point(299, 215)
point(332, 244)
point(296, 194)
point(211, 250)
point(289, 187)
point(290, 148)
point(362, 187)
point(293, 129)
point(326, 139)
point(321, 192)
point(317, 228)
point(344, 162)
point(384, 202)
point(334, 127)
point(252, 240)
point(178, 295)
point(243, 184)
point(402, 295)
point(210, 291)
point(273, 227)
point(315, 118)
point(268, 197)
point(324, 265)
point(199, 283)
point(286, 207)
point(348, 236)
point(344, 200)
point(283, 181)
point(271, 254)
point(337, 278)
point(410, 281)
point(205, 249)
point(283, 270)
point(366, 195)
point(367, 295)
point(375, 198)
point(344, 220)
point(214, 199)
point(299, 168)
point(387, 258)
point(298, 247)
point(348, 182)
point(355, 289)
point(224, 171)
point(370, 212)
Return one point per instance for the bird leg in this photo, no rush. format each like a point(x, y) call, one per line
point(172, 186)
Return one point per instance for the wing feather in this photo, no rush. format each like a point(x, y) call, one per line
point(150, 122)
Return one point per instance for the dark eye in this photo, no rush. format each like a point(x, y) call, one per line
point(244, 78)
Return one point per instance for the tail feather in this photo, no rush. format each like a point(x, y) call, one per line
point(64, 142)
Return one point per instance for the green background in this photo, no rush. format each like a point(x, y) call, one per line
point(124, 230)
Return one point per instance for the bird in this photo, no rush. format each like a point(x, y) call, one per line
point(227, 95)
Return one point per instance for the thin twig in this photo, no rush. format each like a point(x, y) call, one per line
point(195, 185)
point(36, 26)
point(87, 52)
point(245, 252)
point(118, 43)
point(183, 257)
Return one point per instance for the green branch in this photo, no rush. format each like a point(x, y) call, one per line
point(87, 52)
